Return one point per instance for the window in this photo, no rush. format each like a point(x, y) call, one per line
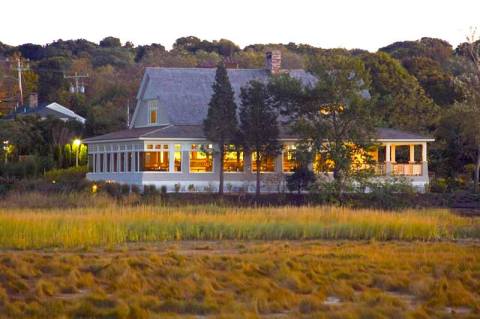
point(158, 160)
point(153, 111)
point(122, 162)
point(101, 162)
point(201, 158)
point(90, 163)
point(129, 161)
point(267, 164)
point(288, 158)
point(108, 162)
point(322, 164)
point(233, 159)
point(178, 158)
point(115, 162)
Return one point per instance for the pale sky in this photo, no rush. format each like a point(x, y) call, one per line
point(365, 24)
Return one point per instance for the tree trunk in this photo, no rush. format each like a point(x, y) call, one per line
point(222, 155)
point(477, 172)
point(257, 189)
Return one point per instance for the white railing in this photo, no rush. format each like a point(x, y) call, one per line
point(410, 169)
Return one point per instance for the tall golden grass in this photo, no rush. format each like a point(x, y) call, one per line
point(84, 227)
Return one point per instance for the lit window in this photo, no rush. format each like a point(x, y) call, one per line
point(267, 164)
point(201, 158)
point(289, 162)
point(157, 160)
point(322, 164)
point(233, 159)
point(153, 111)
point(178, 158)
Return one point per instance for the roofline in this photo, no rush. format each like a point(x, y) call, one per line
point(86, 141)
point(405, 140)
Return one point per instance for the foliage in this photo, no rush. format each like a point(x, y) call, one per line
point(332, 117)
point(258, 124)
point(220, 126)
point(399, 101)
point(300, 180)
point(116, 224)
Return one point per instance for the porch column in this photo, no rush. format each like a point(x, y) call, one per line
point(424, 159)
point(412, 154)
point(388, 164)
point(171, 158)
point(424, 152)
point(393, 157)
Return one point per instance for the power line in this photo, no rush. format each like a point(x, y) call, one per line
point(78, 88)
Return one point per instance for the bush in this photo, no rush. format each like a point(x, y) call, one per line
point(300, 180)
point(31, 166)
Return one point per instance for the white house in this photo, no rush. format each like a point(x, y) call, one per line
point(165, 144)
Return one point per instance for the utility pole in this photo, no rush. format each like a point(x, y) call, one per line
point(20, 68)
point(128, 113)
point(78, 88)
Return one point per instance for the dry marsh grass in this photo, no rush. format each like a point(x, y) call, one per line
point(245, 279)
point(113, 225)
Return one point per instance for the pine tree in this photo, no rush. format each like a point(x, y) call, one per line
point(220, 126)
point(258, 124)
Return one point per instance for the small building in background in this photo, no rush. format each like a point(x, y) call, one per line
point(44, 110)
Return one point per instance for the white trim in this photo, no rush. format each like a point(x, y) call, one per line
point(62, 109)
point(140, 93)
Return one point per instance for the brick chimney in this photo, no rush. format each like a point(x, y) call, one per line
point(273, 61)
point(33, 100)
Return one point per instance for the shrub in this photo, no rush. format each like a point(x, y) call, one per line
point(300, 180)
point(177, 187)
point(150, 190)
point(163, 189)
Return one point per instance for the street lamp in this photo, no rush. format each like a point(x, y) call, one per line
point(6, 150)
point(77, 142)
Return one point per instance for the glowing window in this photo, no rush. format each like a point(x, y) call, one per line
point(267, 164)
point(288, 158)
point(233, 159)
point(177, 156)
point(153, 111)
point(322, 164)
point(201, 158)
point(159, 160)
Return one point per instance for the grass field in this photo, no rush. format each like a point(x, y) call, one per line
point(245, 279)
point(210, 261)
point(109, 226)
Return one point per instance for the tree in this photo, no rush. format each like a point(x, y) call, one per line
point(470, 81)
point(258, 124)
point(333, 116)
point(110, 42)
point(399, 101)
point(220, 126)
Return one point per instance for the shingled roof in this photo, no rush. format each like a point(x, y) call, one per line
point(186, 92)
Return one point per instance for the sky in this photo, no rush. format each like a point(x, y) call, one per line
point(364, 24)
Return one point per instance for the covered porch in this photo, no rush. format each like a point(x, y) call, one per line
point(401, 159)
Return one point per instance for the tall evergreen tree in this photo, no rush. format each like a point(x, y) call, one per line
point(220, 126)
point(258, 124)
